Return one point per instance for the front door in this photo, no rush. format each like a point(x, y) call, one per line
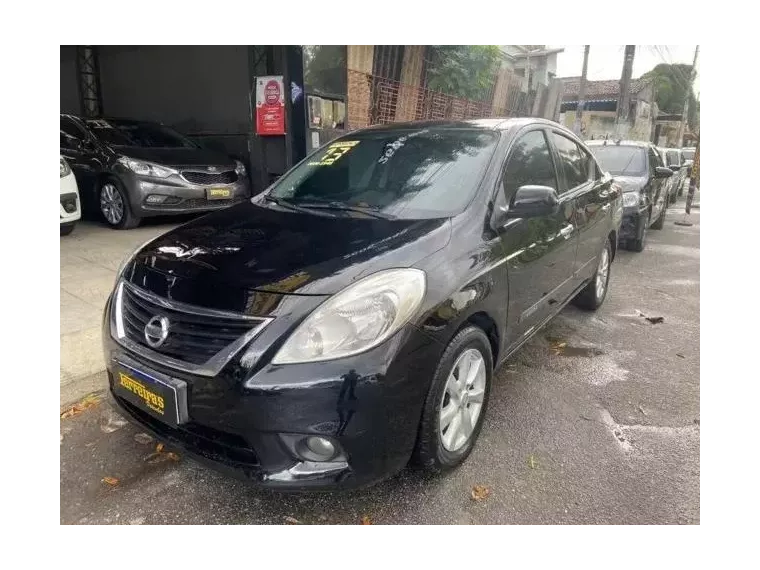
point(659, 185)
point(540, 251)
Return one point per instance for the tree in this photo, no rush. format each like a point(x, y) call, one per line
point(463, 71)
point(671, 83)
point(325, 69)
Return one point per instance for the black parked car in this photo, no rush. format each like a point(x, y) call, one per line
point(128, 170)
point(638, 168)
point(352, 316)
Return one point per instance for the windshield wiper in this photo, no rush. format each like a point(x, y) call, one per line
point(286, 204)
point(342, 206)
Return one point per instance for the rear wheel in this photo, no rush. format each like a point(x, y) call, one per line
point(456, 403)
point(592, 296)
point(114, 206)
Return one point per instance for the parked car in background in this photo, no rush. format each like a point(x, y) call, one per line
point(128, 170)
point(352, 316)
point(673, 159)
point(688, 154)
point(638, 168)
point(70, 209)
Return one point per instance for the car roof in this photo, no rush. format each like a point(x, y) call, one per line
point(491, 124)
point(640, 144)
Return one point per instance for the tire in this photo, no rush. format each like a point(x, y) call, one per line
point(660, 223)
point(434, 450)
point(593, 295)
point(67, 228)
point(638, 244)
point(114, 205)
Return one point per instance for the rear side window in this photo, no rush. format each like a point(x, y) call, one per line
point(574, 161)
point(673, 158)
point(530, 162)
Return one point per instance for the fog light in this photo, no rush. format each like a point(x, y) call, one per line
point(321, 447)
point(70, 207)
point(155, 199)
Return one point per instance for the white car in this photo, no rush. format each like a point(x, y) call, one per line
point(70, 205)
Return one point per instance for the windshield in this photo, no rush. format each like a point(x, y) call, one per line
point(673, 158)
point(133, 133)
point(424, 173)
point(621, 160)
point(688, 154)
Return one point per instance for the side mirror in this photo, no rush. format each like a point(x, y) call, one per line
point(662, 172)
point(533, 201)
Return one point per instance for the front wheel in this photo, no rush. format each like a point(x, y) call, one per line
point(637, 244)
point(660, 223)
point(456, 403)
point(114, 206)
point(592, 296)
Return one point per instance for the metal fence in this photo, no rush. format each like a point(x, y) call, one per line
point(376, 100)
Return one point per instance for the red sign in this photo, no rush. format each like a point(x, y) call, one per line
point(270, 106)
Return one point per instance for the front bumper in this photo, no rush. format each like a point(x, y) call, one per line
point(182, 197)
point(69, 205)
point(370, 404)
point(632, 226)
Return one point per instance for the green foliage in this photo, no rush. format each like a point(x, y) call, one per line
point(325, 69)
point(463, 71)
point(671, 84)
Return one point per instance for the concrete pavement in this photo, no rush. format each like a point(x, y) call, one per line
point(604, 429)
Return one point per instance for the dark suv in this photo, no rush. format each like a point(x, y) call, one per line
point(352, 316)
point(128, 170)
point(638, 168)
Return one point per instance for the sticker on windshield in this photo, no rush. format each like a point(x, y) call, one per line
point(334, 153)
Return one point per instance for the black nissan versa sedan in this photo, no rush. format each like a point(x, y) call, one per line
point(638, 168)
point(351, 317)
point(128, 170)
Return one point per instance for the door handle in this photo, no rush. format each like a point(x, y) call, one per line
point(566, 232)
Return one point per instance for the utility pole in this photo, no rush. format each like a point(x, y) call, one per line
point(685, 113)
point(581, 95)
point(624, 99)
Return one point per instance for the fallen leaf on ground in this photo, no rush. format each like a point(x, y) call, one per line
point(655, 320)
point(159, 448)
point(110, 421)
point(112, 481)
point(143, 438)
point(292, 520)
point(641, 409)
point(79, 407)
point(366, 520)
point(532, 463)
point(172, 456)
point(480, 492)
point(679, 355)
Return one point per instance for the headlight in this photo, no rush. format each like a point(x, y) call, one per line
point(146, 168)
point(239, 168)
point(64, 168)
point(358, 318)
point(630, 199)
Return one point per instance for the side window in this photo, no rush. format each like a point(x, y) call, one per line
point(654, 161)
point(71, 135)
point(529, 163)
point(574, 161)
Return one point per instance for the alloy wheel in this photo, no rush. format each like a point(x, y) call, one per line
point(462, 400)
point(111, 204)
point(602, 273)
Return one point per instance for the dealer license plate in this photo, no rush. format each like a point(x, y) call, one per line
point(162, 398)
point(218, 193)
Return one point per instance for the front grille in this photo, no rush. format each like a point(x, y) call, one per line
point(203, 203)
point(196, 336)
point(206, 178)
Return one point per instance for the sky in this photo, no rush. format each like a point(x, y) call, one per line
point(606, 62)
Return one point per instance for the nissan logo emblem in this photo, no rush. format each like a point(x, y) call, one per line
point(156, 331)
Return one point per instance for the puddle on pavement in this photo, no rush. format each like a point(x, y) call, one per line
point(561, 348)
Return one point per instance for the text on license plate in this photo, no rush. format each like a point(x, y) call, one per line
point(219, 193)
point(154, 401)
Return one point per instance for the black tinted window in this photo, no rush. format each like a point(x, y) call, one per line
point(621, 160)
point(71, 135)
point(574, 161)
point(529, 163)
point(133, 133)
point(424, 173)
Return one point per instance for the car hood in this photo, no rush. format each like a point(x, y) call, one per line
point(220, 259)
point(631, 183)
point(178, 156)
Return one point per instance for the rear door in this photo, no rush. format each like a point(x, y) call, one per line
point(590, 192)
point(540, 251)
